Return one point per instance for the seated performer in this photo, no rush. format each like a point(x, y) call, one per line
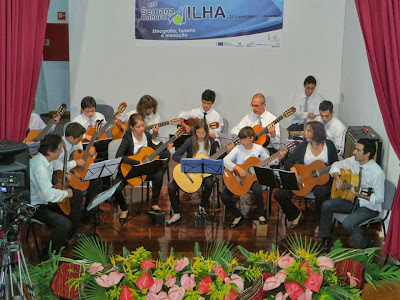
point(363, 207)
point(315, 147)
point(238, 156)
point(44, 194)
point(134, 140)
point(260, 116)
point(200, 142)
point(335, 129)
point(204, 112)
point(306, 104)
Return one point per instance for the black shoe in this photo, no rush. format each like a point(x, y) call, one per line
point(233, 225)
point(325, 245)
point(123, 220)
point(156, 210)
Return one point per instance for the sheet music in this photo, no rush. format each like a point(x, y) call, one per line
point(103, 196)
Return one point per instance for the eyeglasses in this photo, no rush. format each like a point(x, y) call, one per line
point(244, 139)
point(201, 133)
point(256, 105)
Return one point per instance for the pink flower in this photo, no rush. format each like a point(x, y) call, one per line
point(232, 295)
point(176, 292)
point(352, 279)
point(271, 283)
point(293, 289)
point(147, 264)
point(170, 280)
point(281, 276)
point(188, 282)
point(163, 296)
point(314, 281)
point(157, 286)
point(306, 296)
point(236, 279)
point(285, 261)
point(108, 280)
point(219, 271)
point(95, 267)
point(325, 263)
point(144, 281)
point(181, 264)
point(280, 296)
point(152, 296)
point(204, 285)
point(126, 293)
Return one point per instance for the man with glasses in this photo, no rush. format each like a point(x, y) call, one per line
point(307, 105)
point(260, 116)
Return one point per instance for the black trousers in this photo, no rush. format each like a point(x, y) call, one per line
point(173, 190)
point(227, 196)
point(62, 226)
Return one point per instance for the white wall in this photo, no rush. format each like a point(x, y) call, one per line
point(106, 64)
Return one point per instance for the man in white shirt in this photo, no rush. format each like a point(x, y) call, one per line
point(44, 195)
point(335, 129)
point(260, 116)
point(306, 104)
point(363, 207)
point(204, 112)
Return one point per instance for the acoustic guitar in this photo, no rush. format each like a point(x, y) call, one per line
point(119, 129)
point(78, 173)
point(65, 205)
point(191, 122)
point(145, 155)
point(91, 130)
point(349, 179)
point(36, 135)
point(241, 185)
point(191, 182)
point(261, 134)
point(310, 176)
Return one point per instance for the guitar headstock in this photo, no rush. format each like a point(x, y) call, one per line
point(292, 145)
point(289, 112)
point(174, 122)
point(121, 108)
point(236, 141)
point(366, 191)
point(98, 124)
point(180, 130)
point(60, 110)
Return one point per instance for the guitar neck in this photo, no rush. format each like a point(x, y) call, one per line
point(323, 170)
point(161, 124)
point(45, 130)
point(265, 129)
point(222, 151)
point(163, 147)
point(268, 160)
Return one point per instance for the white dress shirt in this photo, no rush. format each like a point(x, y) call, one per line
point(336, 132)
point(59, 162)
point(36, 122)
point(239, 154)
point(266, 118)
point(86, 122)
point(313, 106)
point(148, 120)
point(309, 157)
point(211, 117)
point(42, 191)
point(372, 177)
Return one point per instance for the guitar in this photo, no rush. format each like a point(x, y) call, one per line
point(241, 185)
point(191, 182)
point(311, 175)
point(118, 130)
point(261, 136)
point(191, 122)
point(36, 135)
point(91, 130)
point(349, 179)
point(65, 205)
point(145, 155)
point(80, 172)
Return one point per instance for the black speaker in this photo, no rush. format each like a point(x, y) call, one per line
point(354, 133)
point(14, 167)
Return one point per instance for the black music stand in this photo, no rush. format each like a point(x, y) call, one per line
point(140, 170)
point(276, 178)
point(204, 165)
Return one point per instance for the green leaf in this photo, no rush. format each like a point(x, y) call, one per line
point(93, 291)
point(93, 250)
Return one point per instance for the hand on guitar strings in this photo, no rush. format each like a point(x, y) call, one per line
point(241, 172)
point(298, 177)
point(271, 130)
point(70, 193)
point(92, 151)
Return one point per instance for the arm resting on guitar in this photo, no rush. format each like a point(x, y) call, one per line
point(182, 150)
point(297, 157)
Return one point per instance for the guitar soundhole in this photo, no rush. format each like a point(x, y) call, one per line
point(250, 171)
point(314, 174)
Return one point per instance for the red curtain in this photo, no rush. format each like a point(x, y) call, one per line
point(22, 30)
point(380, 24)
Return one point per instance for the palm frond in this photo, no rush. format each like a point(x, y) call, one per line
point(93, 291)
point(298, 242)
point(340, 254)
point(220, 251)
point(93, 250)
point(244, 251)
point(343, 292)
point(383, 277)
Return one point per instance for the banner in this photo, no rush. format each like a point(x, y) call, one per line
point(240, 23)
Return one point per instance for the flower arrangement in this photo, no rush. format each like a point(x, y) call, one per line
point(298, 273)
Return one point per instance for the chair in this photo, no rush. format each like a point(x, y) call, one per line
point(284, 135)
point(225, 128)
point(390, 191)
point(65, 127)
point(31, 225)
point(106, 110)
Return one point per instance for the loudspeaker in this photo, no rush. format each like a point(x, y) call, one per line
point(354, 133)
point(14, 167)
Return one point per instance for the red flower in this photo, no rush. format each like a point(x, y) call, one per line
point(126, 293)
point(204, 285)
point(144, 281)
point(147, 264)
point(314, 281)
point(219, 271)
point(293, 289)
point(307, 266)
point(232, 295)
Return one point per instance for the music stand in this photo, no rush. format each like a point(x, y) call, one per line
point(204, 165)
point(140, 170)
point(103, 168)
point(276, 178)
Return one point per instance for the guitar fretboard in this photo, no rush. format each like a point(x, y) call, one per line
point(161, 124)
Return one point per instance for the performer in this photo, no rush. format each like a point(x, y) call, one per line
point(315, 147)
point(238, 156)
point(363, 207)
point(307, 104)
point(134, 139)
point(44, 194)
point(36, 123)
point(204, 112)
point(260, 116)
point(200, 142)
point(335, 129)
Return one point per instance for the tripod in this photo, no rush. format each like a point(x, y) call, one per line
point(12, 287)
